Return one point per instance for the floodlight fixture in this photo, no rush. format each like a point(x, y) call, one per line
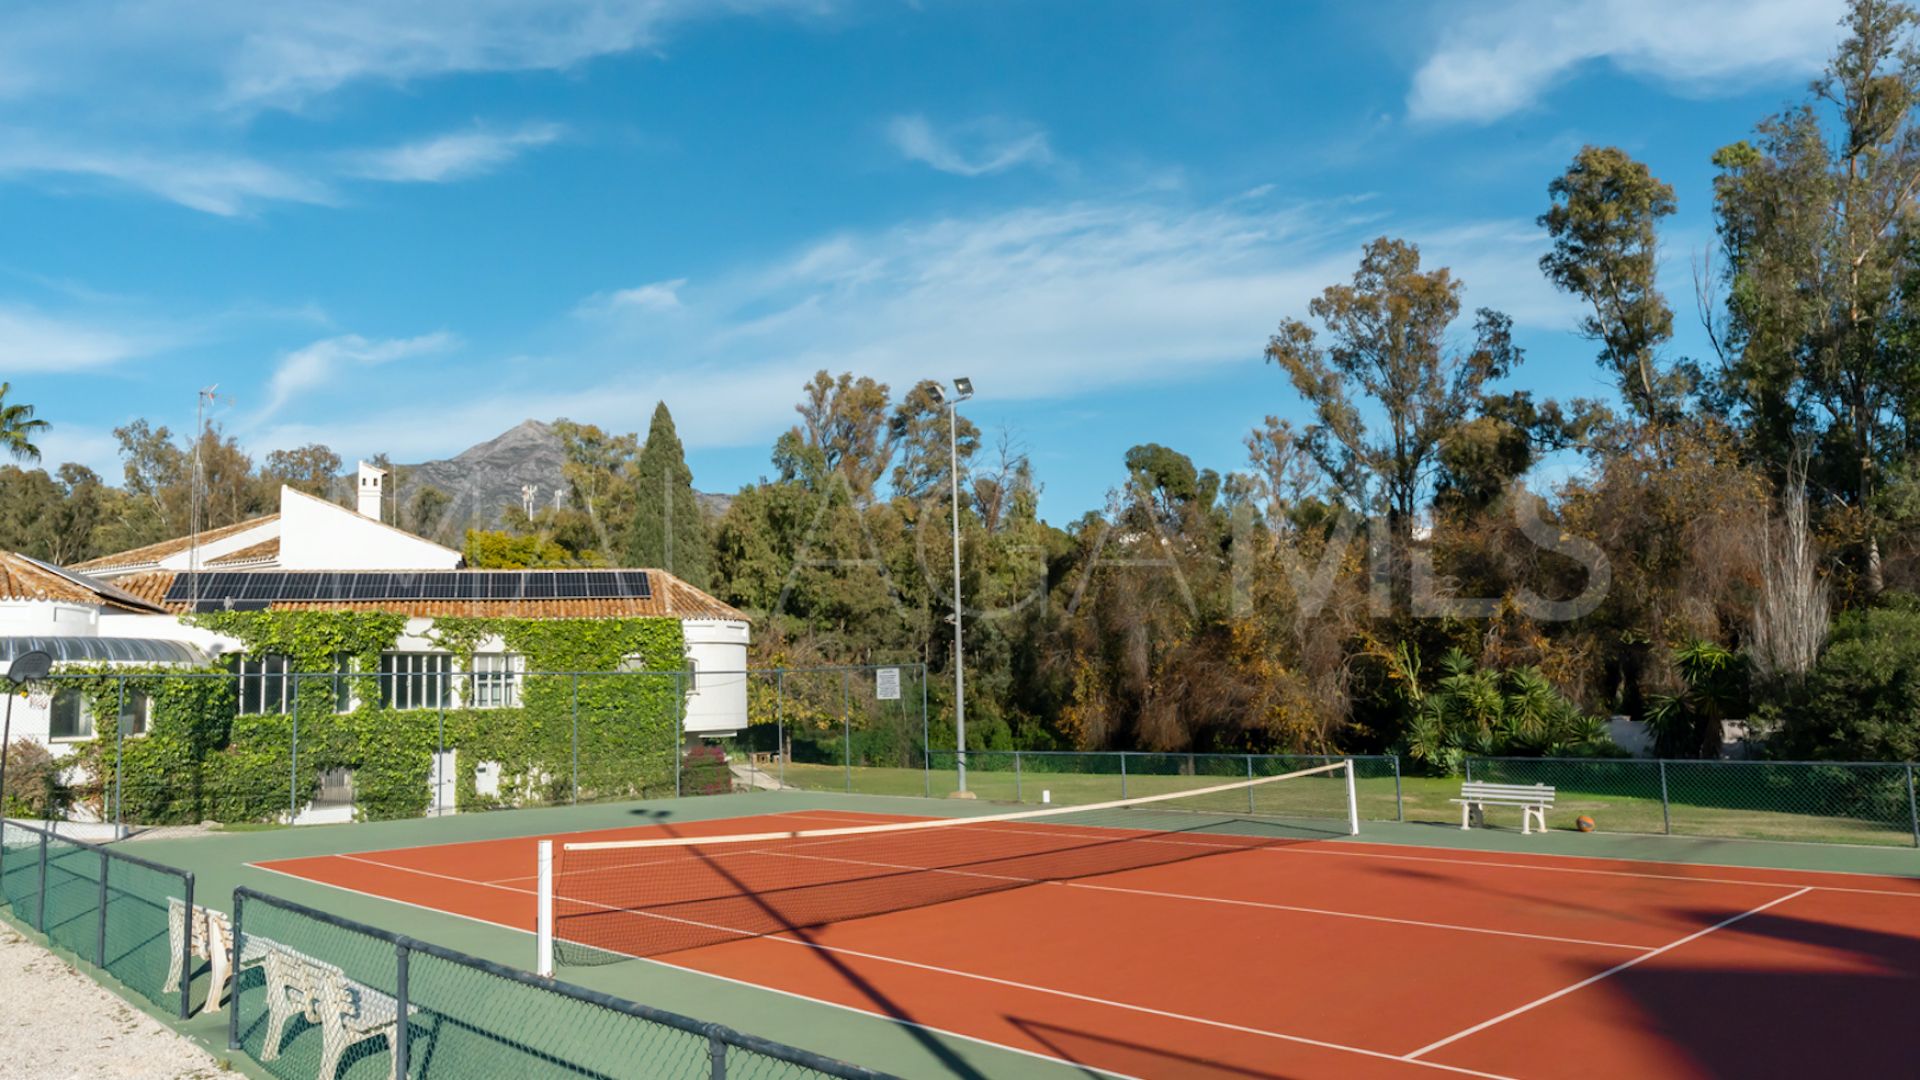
point(964, 386)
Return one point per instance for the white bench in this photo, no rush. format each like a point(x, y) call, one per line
point(1532, 799)
point(346, 1012)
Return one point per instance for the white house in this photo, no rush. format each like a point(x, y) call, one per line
point(314, 555)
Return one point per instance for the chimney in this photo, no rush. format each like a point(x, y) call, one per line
point(371, 481)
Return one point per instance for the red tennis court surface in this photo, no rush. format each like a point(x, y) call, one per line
point(1323, 959)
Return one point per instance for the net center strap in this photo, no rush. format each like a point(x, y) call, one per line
point(948, 823)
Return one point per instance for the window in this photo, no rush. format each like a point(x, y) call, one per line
point(496, 680)
point(342, 686)
point(70, 719)
point(265, 689)
point(136, 711)
point(415, 680)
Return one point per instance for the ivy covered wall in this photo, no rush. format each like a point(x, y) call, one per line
point(199, 760)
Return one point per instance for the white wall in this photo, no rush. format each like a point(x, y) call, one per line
point(317, 535)
point(717, 649)
point(48, 618)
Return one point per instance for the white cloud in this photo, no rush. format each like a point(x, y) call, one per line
point(32, 342)
point(332, 360)
point(215, 183)
point(977, 148)
point(453, 156)
point(1049, 302)
point(247, 55)
point(1500, 60)
point(658, 296)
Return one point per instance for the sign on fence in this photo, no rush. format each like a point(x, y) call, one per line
point(886, 683)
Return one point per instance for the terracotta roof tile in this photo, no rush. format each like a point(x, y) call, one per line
point(24, 578)
point(265, 550)
point(153, 553)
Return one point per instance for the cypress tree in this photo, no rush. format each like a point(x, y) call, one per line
point(669, 531)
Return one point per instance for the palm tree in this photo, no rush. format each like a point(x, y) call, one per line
point(18, 427)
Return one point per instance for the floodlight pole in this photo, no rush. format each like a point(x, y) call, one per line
point(959, 654)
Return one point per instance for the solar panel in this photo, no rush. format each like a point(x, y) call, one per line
point(251, 590)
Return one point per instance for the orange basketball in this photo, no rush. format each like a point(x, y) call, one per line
point(1583, 823)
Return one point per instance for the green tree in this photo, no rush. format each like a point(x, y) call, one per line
point(491, 549)
point(669, 527)
point(1604, 223)
point(1388, 353)
point(312, 468)
point(18, 428)
point(1816, 218)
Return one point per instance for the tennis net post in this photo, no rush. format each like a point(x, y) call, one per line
point(543, 921)
point(1353, 802)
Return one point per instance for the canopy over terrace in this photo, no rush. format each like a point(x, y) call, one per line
point(86, 649)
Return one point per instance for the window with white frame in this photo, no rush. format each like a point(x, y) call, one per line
point(265, 688)
point(410, 680)
point(69, 717)
point(496, 680)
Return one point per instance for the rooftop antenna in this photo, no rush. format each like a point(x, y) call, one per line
point(205, 399)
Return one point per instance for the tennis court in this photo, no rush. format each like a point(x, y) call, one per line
point(1239, 932)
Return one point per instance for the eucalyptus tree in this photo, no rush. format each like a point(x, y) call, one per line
point(1816, 216)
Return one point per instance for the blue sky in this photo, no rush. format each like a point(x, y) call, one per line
point(407, 227)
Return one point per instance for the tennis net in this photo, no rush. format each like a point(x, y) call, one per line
point(606, 901)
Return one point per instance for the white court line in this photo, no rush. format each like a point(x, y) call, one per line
point(915, 1024)
point(782, 938)
point(1217, 900)
point(1590, 980)
point(1125, 890)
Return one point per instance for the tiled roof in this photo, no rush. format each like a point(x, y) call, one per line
point(266, 550)
point(151, 554)
point(671, 598)
point(24, 578)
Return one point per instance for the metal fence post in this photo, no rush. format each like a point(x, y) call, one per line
point(1666, 811)
point(1399, 804)
point(1913, 805)
point(40, 908)
point(679, 737)
point(293, 758)
point(846, 725)
point(402, 1038)
point(926, 736)
point(1016, 777)
point(576, 738)
point(1123, 774)
point(239, 945)
point(780, 724)
point(1250, 806)
point(100, 936)
point(119, 761)
point(186, 956)
point(1469, 770)
point(716, 1056)
point(440, 766)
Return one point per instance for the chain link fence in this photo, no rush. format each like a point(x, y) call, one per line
point(124, 915)
point(274, 746)
point(1823, 802)
point(1080, 777)
point(318, 995)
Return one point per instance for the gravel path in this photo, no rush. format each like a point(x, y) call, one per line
point(56, 1023)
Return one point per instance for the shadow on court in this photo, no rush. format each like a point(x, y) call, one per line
point(1072, 1045)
